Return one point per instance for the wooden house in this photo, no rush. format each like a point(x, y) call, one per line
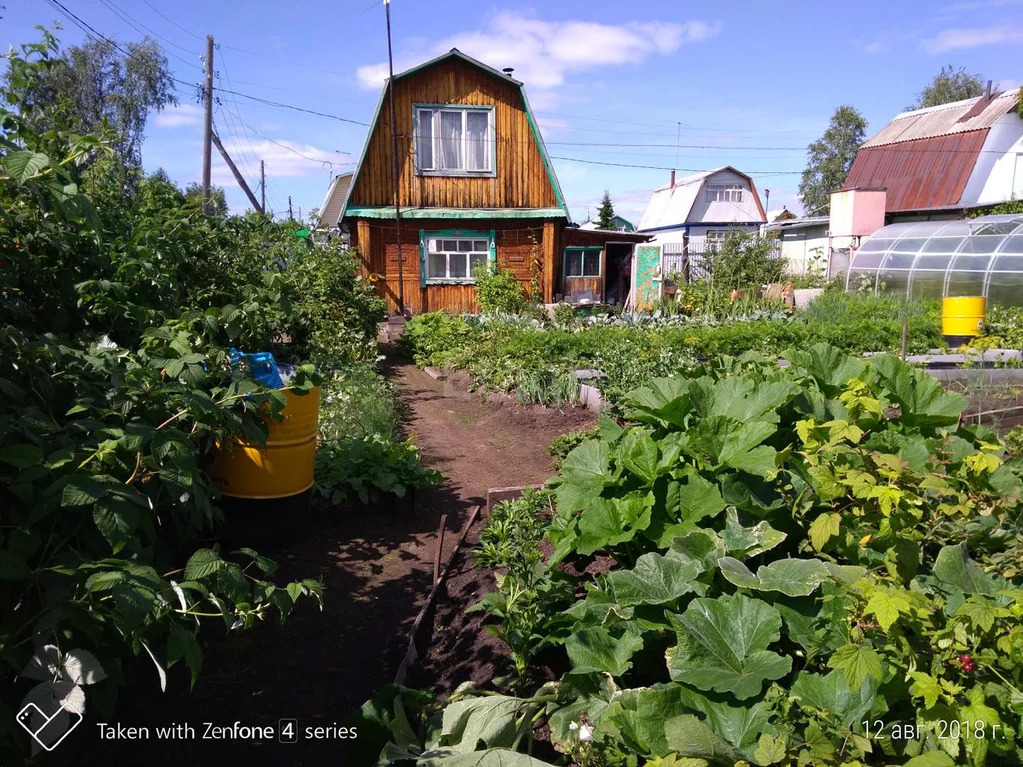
point(475, 188)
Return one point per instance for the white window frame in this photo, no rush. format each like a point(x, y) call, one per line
point(433, 245)
point(723, 192)
point(463, 110)
point(715, 236)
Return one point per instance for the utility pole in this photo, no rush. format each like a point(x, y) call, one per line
point(291, 215)
point(237, 175)
point(397, 175)
point(262, 186)
point(207, 149)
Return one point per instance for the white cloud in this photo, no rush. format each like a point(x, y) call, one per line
point(284, 159)
point(544, 53)
point(973, 37)
point(176, 117)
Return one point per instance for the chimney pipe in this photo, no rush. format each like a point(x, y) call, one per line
point(673, 177)
point(989, 90)
point(508, 71)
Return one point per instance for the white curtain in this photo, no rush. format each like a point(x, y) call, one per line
point(449, 145)
point(477, 147)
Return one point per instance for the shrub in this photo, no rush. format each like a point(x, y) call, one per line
point(745, 261)
point(499, 290)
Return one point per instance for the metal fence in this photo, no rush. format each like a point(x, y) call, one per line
point(694, 260)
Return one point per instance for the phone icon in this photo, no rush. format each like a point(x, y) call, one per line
point(48, 731)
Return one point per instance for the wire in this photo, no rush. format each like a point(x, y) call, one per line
point(665, 167)
point(168, 18)
point(127, 18)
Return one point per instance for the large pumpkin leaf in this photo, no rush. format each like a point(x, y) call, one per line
point(792, 577)
point(654, 580)
point(639, 454)
point(585, 472)
point(725, 442)
point(723, 645)
point(489, 721)
point(704, 546)
point(920, 397)
point(607, 522)
point(831, 693)
point(748, 542)
point(828, 366)
point(739, 725)
point(741, 398)
point(491, 757)
point(684, 502)
point(598, 650)
point(662, 401)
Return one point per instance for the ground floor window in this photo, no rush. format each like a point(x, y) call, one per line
point(582, 262)
point(454, 256)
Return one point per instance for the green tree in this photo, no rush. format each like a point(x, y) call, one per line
point(100, 82)
point(949, 85)
point(218, 200)
point(829, 159)
point(606, 212)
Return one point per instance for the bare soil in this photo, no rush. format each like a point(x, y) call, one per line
point(376, 563)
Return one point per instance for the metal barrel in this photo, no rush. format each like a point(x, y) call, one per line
point(285, 466)
point(963, 316)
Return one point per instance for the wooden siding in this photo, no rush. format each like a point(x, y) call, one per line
point(521, 178)
point(520, 248)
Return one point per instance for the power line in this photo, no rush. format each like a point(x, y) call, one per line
point(666, 167)
point(128, 19)
point(186, 31)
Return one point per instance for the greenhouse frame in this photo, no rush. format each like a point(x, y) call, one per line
point(931, 259)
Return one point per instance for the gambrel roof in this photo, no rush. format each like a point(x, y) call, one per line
point(671, 205)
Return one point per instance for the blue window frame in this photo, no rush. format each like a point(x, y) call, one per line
point(582, 261)
point(452, 256)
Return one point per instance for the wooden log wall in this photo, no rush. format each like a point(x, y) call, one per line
point(522, 247)
point(521, 180)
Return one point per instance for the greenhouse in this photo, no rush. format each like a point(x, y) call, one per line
point(931, 259)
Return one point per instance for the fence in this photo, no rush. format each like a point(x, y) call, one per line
point(694, 259)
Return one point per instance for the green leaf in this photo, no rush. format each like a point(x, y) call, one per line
point(831, 694)
point(182, 644)
point(741, 398)
point(823, 529)
point(931, 759)
point(739, 725)
point(638, 453)
point(597, 650)
point(859, 662)
point(830, 367)
point(584, 474)
point(723, 645)
point(922, 400)
point(202, 564)
point(117, 519)
point(23, 164)
point(925, 686)
point(769, 750)
point(491, 757)
point(662, 401)
point(485, 722)
point(607, 522)
point(726, 442)
point(21, 456)
point(981, 612)
point(748, 542)
point(887, 604)
point(953, 567)
point(83, 490)
point(792, 577)
point(655, 579)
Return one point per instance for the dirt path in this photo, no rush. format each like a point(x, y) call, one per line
point(376, 565)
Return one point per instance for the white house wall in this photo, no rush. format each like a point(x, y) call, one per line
point(998, 173)
point(722, 211)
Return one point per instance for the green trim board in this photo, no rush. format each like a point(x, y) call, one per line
point(492, 124)
point(425, 234)
point(455, 53)
point(599, 249)
point(387, 211)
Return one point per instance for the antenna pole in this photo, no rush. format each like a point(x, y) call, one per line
point(396, 173)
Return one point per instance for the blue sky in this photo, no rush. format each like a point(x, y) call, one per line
point(748, 84)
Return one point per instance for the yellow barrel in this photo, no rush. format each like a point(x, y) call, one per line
point(285, 466)
point(963, 315)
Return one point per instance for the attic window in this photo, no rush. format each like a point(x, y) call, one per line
point(724, 193)
point(454, 140)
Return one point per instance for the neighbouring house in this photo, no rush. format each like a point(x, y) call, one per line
point(476, 188)
point(618, 224)
point(803, 242)
point(334, 202)
point(938, 162)
point(691, 216)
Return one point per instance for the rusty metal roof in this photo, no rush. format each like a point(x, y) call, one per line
point(946, 119)
point(922, 173)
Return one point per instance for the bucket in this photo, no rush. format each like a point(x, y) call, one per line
point(962, 317)
point(285, 466)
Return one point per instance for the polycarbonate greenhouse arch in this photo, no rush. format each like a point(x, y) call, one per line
point(932, 259)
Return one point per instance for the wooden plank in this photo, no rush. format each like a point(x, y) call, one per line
point(548, 249)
